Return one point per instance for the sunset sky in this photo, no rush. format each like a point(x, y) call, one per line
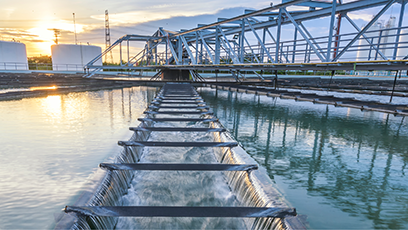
point(30, 22)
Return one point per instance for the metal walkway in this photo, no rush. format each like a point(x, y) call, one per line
point(184, 93)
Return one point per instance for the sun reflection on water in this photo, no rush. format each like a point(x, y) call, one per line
point(52, 106)
point(43, 87)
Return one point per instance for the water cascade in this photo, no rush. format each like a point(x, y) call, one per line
point(191, 165)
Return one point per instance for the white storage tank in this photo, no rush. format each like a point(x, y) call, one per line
point(403, 45)
point(69, 57)
point(365, 52)
point(13, 56)
point(388, 36)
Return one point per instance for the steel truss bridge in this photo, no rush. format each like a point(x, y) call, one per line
point(255, 42)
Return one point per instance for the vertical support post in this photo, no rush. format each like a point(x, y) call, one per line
point(201, 51)
point(120, 53)
point(180, 50)
point(306, 48)
point(241, 42)
point(196, 57)
point(294, 45)
point(393, 87)
point(331, 28)
point(278, 36)
point(276, 79)
point(378, 45)
point(217, 46)
point(167, 42)
point(331, 78)
point(401, 18)
point(128, 53)
point(263, 40)
point(155, 52)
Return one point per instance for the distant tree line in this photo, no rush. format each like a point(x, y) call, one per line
point(40, 60)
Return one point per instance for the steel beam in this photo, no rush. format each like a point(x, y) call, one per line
point(193, 60)
point(173, 52)
point(260, 41)
point(256, 58)
point(376, 17)
point(331, 28)
point(230, 49)
point(286, 4)
point(377, 48)
point(206, 47)
point(304, 35)
point(401, 18)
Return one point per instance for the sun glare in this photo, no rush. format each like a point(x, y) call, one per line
point(44, 32)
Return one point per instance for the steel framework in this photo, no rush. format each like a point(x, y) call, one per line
point(255, 41)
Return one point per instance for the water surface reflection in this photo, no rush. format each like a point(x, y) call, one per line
point(341, 167)
point(49, 146)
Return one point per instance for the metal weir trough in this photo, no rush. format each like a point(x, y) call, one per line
point(260, 204)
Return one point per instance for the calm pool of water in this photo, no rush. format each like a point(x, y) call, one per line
point(343, 168)
point(49, 146)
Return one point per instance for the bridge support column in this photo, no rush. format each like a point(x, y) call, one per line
point(175, 75)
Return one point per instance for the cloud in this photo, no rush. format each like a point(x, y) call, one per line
point(149, 27)
point(7, 12)
point(361, 16)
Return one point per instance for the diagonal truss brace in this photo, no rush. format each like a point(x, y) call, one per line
point(183, 39)
point(173, 52)
point(168, 44)
point(274, 40)
point(379, 14)
point(365, 37)
point(230, 50)
point(206, 47)
point(303, 34)
point(331, 27)
point(311, 37)
point(260, 41)
point(256, 58)
point(145, 54)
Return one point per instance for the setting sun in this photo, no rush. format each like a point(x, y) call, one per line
point(44, 32)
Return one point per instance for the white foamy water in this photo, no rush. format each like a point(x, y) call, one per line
point(179, 188)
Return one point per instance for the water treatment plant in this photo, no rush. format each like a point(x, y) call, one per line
point(255, 121)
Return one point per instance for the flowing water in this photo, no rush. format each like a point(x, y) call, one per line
point(342, 168)
point(49, 146)
point(179, 188)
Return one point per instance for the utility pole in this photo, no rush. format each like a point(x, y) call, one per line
point(57, 33)
point(76, 41)
point(109, 56)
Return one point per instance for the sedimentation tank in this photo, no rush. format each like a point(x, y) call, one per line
point(70, 57)
point(13, 56)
